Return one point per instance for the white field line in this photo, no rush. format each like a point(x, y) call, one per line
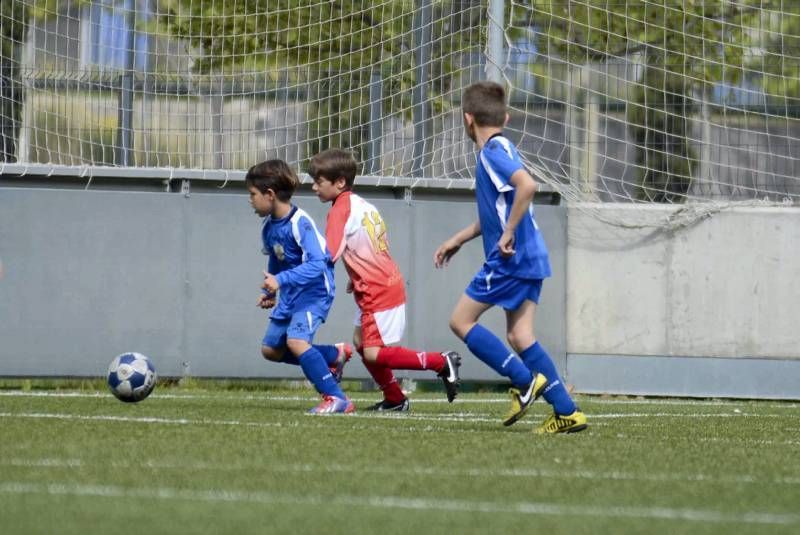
point(522, 473)
point(400, 502)
point(308, 422)
point(365, 418)
point(414, 400)
point(467, 417)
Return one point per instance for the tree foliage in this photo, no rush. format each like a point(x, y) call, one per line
point(780, 54)
point(683, 47)
point(331, 49)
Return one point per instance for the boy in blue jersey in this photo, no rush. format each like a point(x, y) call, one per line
point(298, 283)
point(516, 263)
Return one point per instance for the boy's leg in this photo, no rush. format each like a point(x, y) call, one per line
point(315, 368)
point(299, 335)
point(392, 394)
point(526, 387)
point(382, 328)
point(403, 358)
point(485, 345)
point(368, 344)
point(537, 360)
point(336, 356)
point(567, 418)
point(445, 365)
point(521, 335)
point(273, 345)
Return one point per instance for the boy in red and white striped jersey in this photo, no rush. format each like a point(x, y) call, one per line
point(356, 233)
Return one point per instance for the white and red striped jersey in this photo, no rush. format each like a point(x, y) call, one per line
point(356, 233)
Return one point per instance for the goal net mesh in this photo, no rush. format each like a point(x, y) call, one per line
point(651, 101)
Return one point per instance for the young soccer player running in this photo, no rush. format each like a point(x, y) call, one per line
point(298, 283)
point(516, 262)
point(356, 233)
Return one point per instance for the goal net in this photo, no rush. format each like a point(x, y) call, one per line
point(655, 101)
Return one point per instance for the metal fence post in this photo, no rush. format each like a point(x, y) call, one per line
point(125, 116)
point(494, 42)
point(423, 125)
point(373, 166)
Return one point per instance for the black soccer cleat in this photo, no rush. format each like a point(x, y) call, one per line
point(386, 406)
point(449, 374)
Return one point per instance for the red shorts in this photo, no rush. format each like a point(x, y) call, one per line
point(382, 328)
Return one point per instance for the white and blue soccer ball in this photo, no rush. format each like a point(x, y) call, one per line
point(131, 377)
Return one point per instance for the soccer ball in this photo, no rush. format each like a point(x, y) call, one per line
point(131, 377)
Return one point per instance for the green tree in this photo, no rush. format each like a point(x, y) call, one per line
point(682, 46)
point(330, 49)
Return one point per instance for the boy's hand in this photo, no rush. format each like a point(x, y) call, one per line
point(270, 283)
point(506, 244)
point(266, 301)
point(445, 252)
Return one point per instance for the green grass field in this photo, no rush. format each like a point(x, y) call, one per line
point(214, 460)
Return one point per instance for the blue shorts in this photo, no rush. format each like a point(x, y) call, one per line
point(302, 326)
point(503, 290)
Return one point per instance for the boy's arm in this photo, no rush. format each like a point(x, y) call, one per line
point(451, 246)
point(335, 225)
point(315, 257)
point(270, 285)
point(525, 187)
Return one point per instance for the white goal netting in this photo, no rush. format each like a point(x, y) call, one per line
point(659, 101)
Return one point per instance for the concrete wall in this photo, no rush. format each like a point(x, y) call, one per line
point(710, 309)
point(707, 309)
point(91, 274)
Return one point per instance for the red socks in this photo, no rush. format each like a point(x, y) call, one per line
point(386, 381)
point(401, 358)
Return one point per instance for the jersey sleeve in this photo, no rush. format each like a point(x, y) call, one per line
point(335, 227)
point(500, 165)
point(315, 255)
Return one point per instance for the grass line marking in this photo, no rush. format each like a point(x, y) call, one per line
point(464, 399)
point(416, 470)
point(400, 502)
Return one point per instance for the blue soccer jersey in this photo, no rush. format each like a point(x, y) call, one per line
point(299, 259)
point(497, 161)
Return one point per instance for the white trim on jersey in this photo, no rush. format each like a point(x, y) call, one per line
point(500, 206)
point(296, 232)
point(327, 282)
point(506, 144)
point(496, 180)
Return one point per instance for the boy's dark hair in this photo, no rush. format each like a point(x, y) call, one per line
point(334, 163)
point(486, 102)
point(275, 175)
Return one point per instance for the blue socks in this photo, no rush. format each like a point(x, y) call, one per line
point(318, 372)
point(538, 361)
point(329, 353)
point(496, 355)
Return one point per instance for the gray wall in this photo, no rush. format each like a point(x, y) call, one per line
point(91, 274)
point(710, 309)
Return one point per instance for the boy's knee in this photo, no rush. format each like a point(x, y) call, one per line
point(459, 328)
point(270, 353)
point(513, 340)
point(296, 346)
point(519, 341)
point(370, 354)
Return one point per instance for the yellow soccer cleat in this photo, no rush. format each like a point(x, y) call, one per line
point(521, 401)
point(570, 423)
